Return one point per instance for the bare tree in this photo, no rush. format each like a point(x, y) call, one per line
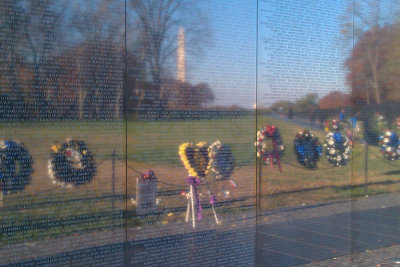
point(94, 57)
point(155, 25)
point(101, 39)
point(43, 34)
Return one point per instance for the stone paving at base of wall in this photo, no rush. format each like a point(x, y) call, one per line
point(282, 236)
point(362, 232)
point(389, 256)
point(51, 249)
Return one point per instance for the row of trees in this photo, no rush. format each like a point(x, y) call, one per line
point(60, 60)
point(67, 58)
point(303, 107)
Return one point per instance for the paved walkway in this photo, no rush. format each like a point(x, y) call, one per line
point(313, 125)
point(363, 232)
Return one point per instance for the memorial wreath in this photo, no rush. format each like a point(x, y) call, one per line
point(71, 163)
point(269, 145)
point(222, 162)
point(337, 149)
point(195, 158)
point(15, 166)
point(307, 148)
point(390, 145)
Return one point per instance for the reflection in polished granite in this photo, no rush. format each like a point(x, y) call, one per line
point(364, 231)
point(344, 228)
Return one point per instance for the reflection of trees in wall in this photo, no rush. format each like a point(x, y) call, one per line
point(63, 59)
point(335, 100)
point(363, 24)
point(42, 30)
point(91, 71)
point(373, 66)
point(183, 95)
point(30, 32)
point(306, 106)
point(100, 58)
point(11, 19)
point(374, 76)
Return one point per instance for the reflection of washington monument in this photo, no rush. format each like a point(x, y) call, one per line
point(181, 67)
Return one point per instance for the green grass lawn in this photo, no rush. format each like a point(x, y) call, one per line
point(156, 143)
point(330, 183)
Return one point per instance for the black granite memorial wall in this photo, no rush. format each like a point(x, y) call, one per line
point(199, 133)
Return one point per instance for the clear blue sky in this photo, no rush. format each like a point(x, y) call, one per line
point(298, 50)
point(229, 62)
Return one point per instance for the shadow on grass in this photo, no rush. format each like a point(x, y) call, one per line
point(392, 172)
point(334, 187)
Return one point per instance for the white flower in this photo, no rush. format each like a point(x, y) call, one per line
point(3, 144)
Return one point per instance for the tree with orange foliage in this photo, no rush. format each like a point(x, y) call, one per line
point(334, 100)
point(368, 76)
point(365, 23)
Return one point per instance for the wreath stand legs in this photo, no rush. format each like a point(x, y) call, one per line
point(213, 209)
point(212, 200)
point(190, 207)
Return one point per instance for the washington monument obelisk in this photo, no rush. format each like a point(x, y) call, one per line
point(181, 65)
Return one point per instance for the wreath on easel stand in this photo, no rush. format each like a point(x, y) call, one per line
point(269, 145)
point(337, 148)
point(196, 160)
point(15, 166)
point(71, 163)
point(307, 148)
point(222, 162)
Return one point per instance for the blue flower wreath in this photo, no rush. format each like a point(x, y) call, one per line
point(15, 166)
point(390, 145)
point(307, 148)
point(337, 149)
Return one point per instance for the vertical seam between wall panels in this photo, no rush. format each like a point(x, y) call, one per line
point(125, 110)
point(352, 161)
point(258, 196)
